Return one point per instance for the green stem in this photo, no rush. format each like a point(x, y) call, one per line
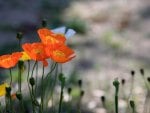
point(1, 108)
point(42, 93)
point(30, 90)
point(10, 77)
point(116, 103)
point(116, 84)
point(19, 80)
point(60, 102)
point(52, 69)
point(33, 68)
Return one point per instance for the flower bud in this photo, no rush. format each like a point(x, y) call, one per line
point(19, 35)
point(32, 81)
point(123, 81)
point(44, 23)
point(132, 104)
point(148, 79)
point(142, 71)
point(69, 90)
point(21, 65)
point(80, 83)
point(19, 96)
point(82, 93)
point(132, 73)
point(8, 91)
point(116, 83)
point(103, 99)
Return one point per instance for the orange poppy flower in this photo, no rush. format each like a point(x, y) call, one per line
point(61, 55)
point(36, 51)
point(49, 38)
point(10, 60)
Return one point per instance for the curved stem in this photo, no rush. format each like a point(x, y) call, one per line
point(33, 68)
point(52, 69)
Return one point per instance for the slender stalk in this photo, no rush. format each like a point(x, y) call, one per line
point(30, 89)
point(33, 68)
point(0, 108)
point(60, 102)
point(10, 76)
point(53, 87)
point(42, 93)
point(52, 69)
point(116, 84)
point(19, 80)
point(36, 78)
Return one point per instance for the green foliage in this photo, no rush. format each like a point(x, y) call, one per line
point(78, 25)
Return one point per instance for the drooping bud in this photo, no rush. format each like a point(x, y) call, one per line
point(103, 99)
point(19, 35)
point(80, 83)
point(132, 73)
point(82, 93)
point(32, 81)
point(142, 71)
point(44, 23)
point(123, 81)
point(116, 84)
point(21, 65)
point(132, 104)
point(19, 96)
point(8, 91)
point(69, 90)
point(148, 79)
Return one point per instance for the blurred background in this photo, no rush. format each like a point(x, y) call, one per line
point(113, 38)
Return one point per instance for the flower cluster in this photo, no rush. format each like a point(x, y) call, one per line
point(52, 46)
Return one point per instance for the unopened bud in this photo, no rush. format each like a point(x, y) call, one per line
point(19, 96)
point(8, 91)
point(69, 90)
point(132, 72)
point(44, 23)
point(103, 99)
point(19, 35)
point(21, 65)
point(148, 79)
point(82, 93)
point(32, 81)
point(142, 71)
point(132, 104)
point(80, 83)
point(123, 81)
